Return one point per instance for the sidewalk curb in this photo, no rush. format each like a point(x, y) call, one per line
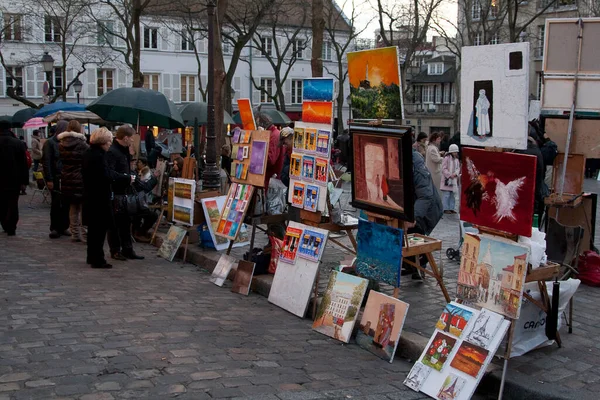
point(411, 345)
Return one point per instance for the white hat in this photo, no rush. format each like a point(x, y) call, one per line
point(453, 149)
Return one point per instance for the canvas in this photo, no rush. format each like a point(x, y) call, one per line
point(340, 306)
point(498, 190)
point(495, 95)
point(213, 207)
point(221, 271)
point(469, 359)
point(379, 254)
point(417, 376)
point(293, 283)
point(319, 112)
point(312, 243)
point(382, 179)
point(184, 192)
point(438, 350)
point(492, 273)
point(454, 319)
point(171, 243)
point(308, 168)
point(297, 194)
point(246, 114)
point(323, 142)
point(311, 200)
point(311, 139)
point(295, 165)
point(321, 170)
point(317, 89)
point(243, 278)
point(258, 157)
point(381, 325)
point(299, 139)
point(375, 88)
point(291, 242)
point(451, 388)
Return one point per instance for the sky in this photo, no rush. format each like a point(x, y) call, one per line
point(503, 254)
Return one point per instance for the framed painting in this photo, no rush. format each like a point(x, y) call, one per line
point(498, 190)
point(382, 180)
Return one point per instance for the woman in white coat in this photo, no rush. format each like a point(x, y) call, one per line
point(449, 182)
point(434, 159)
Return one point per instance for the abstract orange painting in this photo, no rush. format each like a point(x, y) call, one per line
point(318, 112)
point(246, 114)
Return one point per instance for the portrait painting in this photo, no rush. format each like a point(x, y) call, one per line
point(382, 179)
point(469, 359)
point(483, 112)
point(375, 88)
point(319, 112)
point(317, 89)
point(451, 388)
point(454, 319)
point(379, 254)
point(246, 114)
point(438, 350)
point(498, 190)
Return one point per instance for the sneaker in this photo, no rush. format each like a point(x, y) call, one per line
point(54, 235)
point(104, 266)
point(118, 256)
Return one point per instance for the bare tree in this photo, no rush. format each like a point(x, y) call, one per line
point(318, 29)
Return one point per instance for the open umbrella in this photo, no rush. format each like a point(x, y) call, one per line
point(58, 106)
point(34, 123)
point(278, 117)
point(198, 110)
point(6, 119)
point(137, 106)
point(81, 116)
point(22, 116)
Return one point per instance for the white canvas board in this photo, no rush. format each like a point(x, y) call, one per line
point(557, 94)
point(221, 272)
point(184, 203)
point(293, 283)
point(504, 108)
point(220, 242)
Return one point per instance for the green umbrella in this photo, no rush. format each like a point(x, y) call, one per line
point(198, 110)
point(22, 116)
point(137, 106)
point(6, 119)
point(237, 119)
point(278, 117)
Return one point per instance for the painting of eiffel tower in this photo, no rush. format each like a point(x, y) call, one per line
point(484, 328)
point(451, 388)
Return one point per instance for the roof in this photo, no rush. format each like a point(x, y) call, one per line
point(447, 77)
point(442, 58)
point(521, 257)
point(509, 268)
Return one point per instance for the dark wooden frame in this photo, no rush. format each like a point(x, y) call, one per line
point(404, 136)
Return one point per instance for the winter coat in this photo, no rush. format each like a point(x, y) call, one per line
point(13, 162)
point(97, 193)
point(276, 156)
point(51, 162)
point(434, 164)
point(421, 148)
point(118, 160)
point(450, 166)
point(428, 204)
point(36, 148)
point(71, 147)
point(146, 181)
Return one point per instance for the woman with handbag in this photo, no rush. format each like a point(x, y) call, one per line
point(449, 180)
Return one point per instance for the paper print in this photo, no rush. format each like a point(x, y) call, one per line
point(312, 198)
point(323, 142)
point(246, 114)
point(308, 168)
point(244, 174)
point(221, 271)
point(321, 170)
point(171, 243)
point(417, 376)
point(381, 325)
point(484, 329)
point(469, 359)
point(454, 319)
point(438, 350)
point(245, 152)
point(319, 112)
point(291, 242)
point(379, 254)
point(298, 189)
point(258, 157)
point(243, 278)
point(340, 306)
point(311, 139)
point(451, 388)
point(299, 139)
point(236, 136)
point(231, 220)
point(240, 153)
point(317, 89)
point(311, 245)
point(296, 165)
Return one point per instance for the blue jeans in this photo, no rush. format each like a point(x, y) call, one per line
point(448, 200)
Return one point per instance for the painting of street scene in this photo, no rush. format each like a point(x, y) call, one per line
point(454, 319)
point(492, 273)
point(381, 325)
point(340, 306)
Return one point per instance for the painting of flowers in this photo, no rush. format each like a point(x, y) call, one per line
point(438, 351)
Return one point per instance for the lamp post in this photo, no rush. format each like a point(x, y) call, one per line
point(210, 177)
point(48, 64)
point(77, 85)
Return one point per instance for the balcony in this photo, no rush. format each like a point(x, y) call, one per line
point(430, 109)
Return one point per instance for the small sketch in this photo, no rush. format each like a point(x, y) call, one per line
point(485, 327)
point(417, 376)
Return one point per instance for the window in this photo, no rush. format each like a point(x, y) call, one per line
point(266, 46)
point(105, 80)
point(539, 52)
point(266, 92)
point(150, 38)
point(477, 40)
point(476, 10)
point(427, 94)
point(17, 82)
point(187, 41)
point(495, 39)
point(58, 80)
point(188, 88)
point(106, 31)
point(226, 46)
point(12, 27)
point(436, 69)
point(298, 48)
point(297, 91)
point(447, 90)
point(438, 94)
point(151, 81)
point(326, 53)
point(52, 29)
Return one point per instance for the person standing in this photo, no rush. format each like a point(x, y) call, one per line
point(36, 150)
point(118, 159)
point(59, 208)
point(434, 159)
point(421, 144)
point(97, 205)
point(276, 151)
point(14, 177)
point(72, 146)
point(449, 183)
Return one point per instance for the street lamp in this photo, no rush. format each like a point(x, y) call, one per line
point(77, 85)
point(48, 65)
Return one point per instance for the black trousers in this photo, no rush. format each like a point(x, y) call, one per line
point(143, 222)
point(59, 211)
point(119, 235)
point(95, 241)
point(9, 210)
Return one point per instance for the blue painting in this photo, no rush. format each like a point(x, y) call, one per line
point(311, 245)
point(317, 89)
point(379, 254)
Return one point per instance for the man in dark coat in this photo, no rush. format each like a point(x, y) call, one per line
point(59, 209)
point(118, 159)
point(14, 177)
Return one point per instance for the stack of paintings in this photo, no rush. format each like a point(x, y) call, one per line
point(460, 349)
point(213, 207)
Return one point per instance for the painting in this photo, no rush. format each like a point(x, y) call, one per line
point(246, 114)
point(245, 152)
point(308, 168)
point(293, 283)
point(291, 242)
point(298, 189)
point(494, 93)
point(451, 388)
point(243, 278)
point(236, 206)
point(213, 206)
point(417, 376)
point(492, 273)
point(299, 139)
point(469, 359)
point(184, 192)
point(484, 329)
point(319, 112)
point(375, 89)
point(381, 325)
point(323, 142)
point(312, 243)
point(258, 157)
point(311, 139)
point(317, 89)
point(454, 319)
point(382, 170)
point(183, 215)
point(221, 271)
point(340, 305)
point(236, 137)
point(379, 254)
point(295, 165)
point(498, 190)
point(438, 350)
point(321, 170)
point(311, 200)
point(171, 242)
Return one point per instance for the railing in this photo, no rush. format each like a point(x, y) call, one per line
point(429, 109)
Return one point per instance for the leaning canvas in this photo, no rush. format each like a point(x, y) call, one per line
point(213, 206)
point(340, 306)
point(381, 325)
point(495, 95)
point(171, 242)
point(222, 269)
point(243, 278)
point(379, 254)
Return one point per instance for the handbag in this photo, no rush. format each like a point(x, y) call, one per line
point(131, 203)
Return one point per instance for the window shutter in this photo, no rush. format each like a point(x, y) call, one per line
point(336, 88)
point(166, 86)
point(308, 51)
point(40, 78)
point(2, 91)
point(201, 43)
point(237, 86)
point(176, 88)
point(70, 75)
point(121, 78)
point(255, 48)
point(30, 81)
point(255, 95)
point(178, 40)
point(91, 84)
point(164, 39)
point(288, 91)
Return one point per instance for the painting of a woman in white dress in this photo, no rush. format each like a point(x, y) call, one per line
point(483, 102)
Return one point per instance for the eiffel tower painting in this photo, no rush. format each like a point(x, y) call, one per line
point(483, 330)
point(451, 388)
